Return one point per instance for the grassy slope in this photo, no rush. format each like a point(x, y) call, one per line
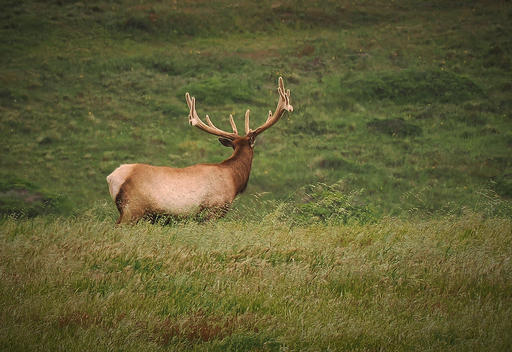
point(87, 86)
point(429, 285)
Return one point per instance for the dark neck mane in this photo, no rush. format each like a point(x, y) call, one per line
point(240, 163)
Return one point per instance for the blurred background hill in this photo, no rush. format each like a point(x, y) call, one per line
point(406, 106)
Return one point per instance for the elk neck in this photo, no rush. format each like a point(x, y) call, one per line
point(240, 163)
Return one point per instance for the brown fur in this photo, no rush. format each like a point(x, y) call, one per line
point(133, 203)
point(240, 163)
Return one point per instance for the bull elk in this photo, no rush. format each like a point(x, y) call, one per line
point(140, 190)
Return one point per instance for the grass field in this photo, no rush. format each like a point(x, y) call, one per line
point(70, 284)
point(377, 215)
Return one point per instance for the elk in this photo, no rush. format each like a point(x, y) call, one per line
point(141, 190)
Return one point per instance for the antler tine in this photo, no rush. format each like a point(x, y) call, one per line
point(247, 128)
point(209, 122)
point(281, 83)
point(194, 120)
point(191, 105)
point(283, 104)
point(233, 125)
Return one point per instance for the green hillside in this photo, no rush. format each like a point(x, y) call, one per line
point(405, 103)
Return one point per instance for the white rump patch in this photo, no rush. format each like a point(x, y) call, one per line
point(116, 179)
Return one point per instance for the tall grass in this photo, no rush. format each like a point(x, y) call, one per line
point(69, 284)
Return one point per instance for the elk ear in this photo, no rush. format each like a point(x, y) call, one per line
point(252, 140)
point(226, 142)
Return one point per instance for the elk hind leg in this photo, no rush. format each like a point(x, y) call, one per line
point(130, 215)
point(129, 211)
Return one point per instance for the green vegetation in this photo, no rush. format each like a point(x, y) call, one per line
point(19, 198)
point(377, 215)
point(393, 100)
point(70, 284)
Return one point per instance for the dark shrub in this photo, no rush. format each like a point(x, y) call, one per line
point(394, 127)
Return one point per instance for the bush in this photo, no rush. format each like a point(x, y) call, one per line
point(329, 204)
point(503, 185)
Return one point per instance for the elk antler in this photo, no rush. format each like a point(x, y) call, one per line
point(194, 120)
point(283, 105)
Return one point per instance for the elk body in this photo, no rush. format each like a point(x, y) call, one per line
point(140, 189)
